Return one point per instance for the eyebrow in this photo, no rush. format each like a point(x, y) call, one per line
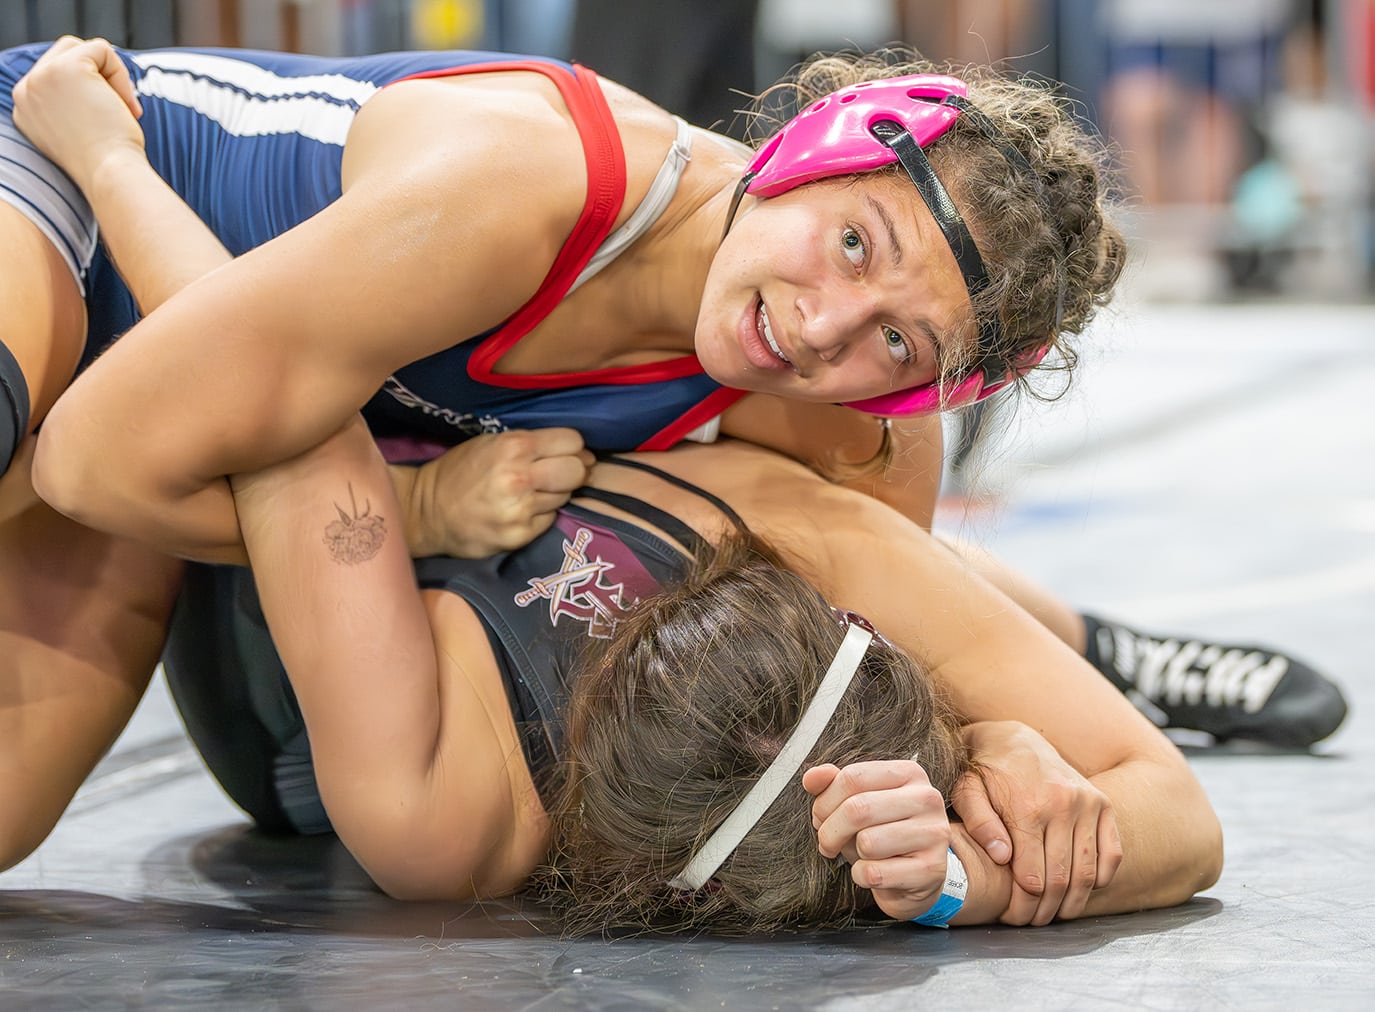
point(888, 225)
point(937, 345)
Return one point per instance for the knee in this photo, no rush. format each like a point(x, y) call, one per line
point(21, 831)
point(14, 406)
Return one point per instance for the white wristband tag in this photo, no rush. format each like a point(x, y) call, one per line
point(952, 896)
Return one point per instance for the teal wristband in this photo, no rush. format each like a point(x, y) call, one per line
point(951, 899)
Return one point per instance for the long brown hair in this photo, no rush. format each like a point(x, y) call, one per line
point(673, 721)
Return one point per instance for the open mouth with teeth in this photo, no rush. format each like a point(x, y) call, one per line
point(766, 332)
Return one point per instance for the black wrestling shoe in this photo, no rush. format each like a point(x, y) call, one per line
point(1226, 690)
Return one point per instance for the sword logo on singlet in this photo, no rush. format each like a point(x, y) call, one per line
point(577, 590)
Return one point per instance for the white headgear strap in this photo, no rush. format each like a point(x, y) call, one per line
point(737, 825)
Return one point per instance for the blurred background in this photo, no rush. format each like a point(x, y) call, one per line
point(1243, 127)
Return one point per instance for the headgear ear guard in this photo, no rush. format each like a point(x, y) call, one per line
point(866, 126)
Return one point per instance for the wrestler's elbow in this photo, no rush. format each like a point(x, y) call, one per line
point(85, 473)
point(1183, 857)
point(408, 869)
point(1195, 868)
point(1207, 852)
point(1197, 846)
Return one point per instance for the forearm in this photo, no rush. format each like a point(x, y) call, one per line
point(414, 487)
point(244, 368)
point(990, 884)
point(1169, 839)
point(199, 523)
point(1172, 851)
point(196, 523)
point(160, 246)
point(157, 242)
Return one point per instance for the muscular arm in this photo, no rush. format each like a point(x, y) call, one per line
point(270, 353)
point(999, 664)
point(78, 105)
point(421, 780)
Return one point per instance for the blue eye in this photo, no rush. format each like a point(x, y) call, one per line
point(852, 245)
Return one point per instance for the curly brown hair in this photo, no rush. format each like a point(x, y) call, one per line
point(1037, 237)
point(674, 719)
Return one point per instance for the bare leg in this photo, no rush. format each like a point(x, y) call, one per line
point(82, 621)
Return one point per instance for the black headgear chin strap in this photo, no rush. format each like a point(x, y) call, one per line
point(740, 189)
point(947, 216)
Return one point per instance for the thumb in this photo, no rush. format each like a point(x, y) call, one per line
point(981, 822)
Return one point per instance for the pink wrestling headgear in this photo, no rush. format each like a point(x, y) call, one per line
point(866, 126)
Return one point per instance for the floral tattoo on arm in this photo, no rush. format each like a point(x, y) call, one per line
point(357, 537)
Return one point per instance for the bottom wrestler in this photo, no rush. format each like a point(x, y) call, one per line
point(609, 694)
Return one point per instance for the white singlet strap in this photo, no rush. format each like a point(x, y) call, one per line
point(660, 193)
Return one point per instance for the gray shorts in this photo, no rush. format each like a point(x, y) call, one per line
point(41, 191)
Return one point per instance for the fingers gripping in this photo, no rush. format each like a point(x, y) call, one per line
point(496, 492)
point(112, 68)
point(88, 56)
point(889, 824)
point(981, 820)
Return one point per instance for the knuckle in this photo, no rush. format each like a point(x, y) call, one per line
point(1019, 912)
point(858, 808)
point(865, 875)
point(866, 844)
point(518, 441)
point(1062, 797)
point(929, 797)
point(850, 779)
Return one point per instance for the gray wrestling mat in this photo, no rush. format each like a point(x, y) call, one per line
point(1212, 472)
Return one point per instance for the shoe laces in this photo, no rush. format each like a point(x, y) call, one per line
point(1174, 672)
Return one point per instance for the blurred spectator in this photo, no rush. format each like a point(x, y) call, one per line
point(1301, 209)
point(1182, 74)
point(693, 57)
point(791, 30)
point(1013, 32)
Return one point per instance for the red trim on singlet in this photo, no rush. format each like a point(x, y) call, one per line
point(606, 181)
point(700, 413)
